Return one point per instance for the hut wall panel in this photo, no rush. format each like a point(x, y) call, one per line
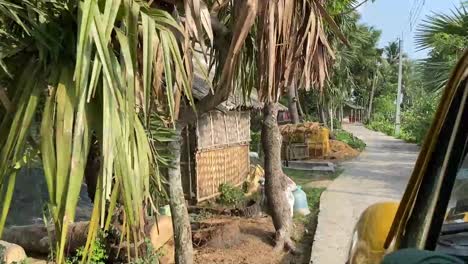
point(244, 126)
point(218, 166)
point(204, 135)
point(231, 127)
point(216, 129)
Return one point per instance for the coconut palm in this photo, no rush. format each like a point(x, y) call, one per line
point(446, 35)
point(292, 50)
point(88, 69)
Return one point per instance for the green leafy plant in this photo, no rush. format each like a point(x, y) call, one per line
point(383, 126)
point(152, 256)
point(98, 253)
point(255, 138)
point(350, 139)
point(417, 120)
point(230, 195)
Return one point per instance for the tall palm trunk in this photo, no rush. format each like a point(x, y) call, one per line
point(293, 104)
point(275, 181)
point(299, 106)
point(371, 99)
point(180, 216)
point(341, 112)
point(321, 113)
point(331, 115)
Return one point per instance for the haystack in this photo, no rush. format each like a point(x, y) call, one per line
point(312, 136)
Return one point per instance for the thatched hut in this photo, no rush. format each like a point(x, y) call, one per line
point(216, 149)
point(355, 113)
point(284, 116)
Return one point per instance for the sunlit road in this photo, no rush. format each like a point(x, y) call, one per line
point(380, 173)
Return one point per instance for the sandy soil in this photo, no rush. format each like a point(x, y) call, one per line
point(252, 243)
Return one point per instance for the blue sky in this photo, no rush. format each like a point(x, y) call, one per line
point(392, 18)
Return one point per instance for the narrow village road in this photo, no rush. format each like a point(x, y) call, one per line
point(380, 173)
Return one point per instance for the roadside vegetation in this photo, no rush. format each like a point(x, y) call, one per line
point(446, 36)
point(350, 139)
point(305, 226)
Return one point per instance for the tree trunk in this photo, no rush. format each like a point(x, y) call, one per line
point(371, 99)
point(331, 116)
point(299, 106)
point(275, 181)
point(92, 168)
point(321, 112)
point(341, 112)
point(180, 216)
point(293, 105)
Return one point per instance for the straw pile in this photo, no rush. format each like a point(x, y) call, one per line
point(341, 151)
point(311, 134)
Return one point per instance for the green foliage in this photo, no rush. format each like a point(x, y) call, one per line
point(349, 139)
point(446, 35)
point(385, 107)
point(313, 196)
point(302, 177)
point(417, 119)
point(230, 195)
point(255, 138)
point(97, 254)
point(151, 257)
point(382, 125)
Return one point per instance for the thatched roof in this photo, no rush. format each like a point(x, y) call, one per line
point(236, 100)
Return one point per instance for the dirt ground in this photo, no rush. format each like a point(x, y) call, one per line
point(250, 241)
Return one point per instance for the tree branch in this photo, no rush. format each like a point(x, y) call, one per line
point(354, 8)
point(333, 26)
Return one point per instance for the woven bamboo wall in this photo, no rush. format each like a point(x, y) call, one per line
point(229, 164)
point(216, 129)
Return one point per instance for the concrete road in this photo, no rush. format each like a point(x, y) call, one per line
point(380, 173)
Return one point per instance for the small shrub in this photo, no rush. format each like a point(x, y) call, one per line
point(350, 139)
point(383, 126)
point(230, 195)
point(417, 120)
point(151, 257)
point(98, 253)
point(255, 138)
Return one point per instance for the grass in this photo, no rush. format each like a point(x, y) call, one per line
point(305, 226)
point(349, 139)
point(302, 177)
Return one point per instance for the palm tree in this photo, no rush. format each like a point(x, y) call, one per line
point(88, 68)
point(446, 35)
point(392, 52)
point(292, 50)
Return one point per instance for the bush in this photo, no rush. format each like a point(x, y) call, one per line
point(349, 139)
point(230, 195)
point(417, 120)
point(382, 125)
point(97, 254)
point(255, 138)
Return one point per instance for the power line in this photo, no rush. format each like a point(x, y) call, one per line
point(415, 13)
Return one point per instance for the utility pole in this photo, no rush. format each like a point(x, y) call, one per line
point(398, 100)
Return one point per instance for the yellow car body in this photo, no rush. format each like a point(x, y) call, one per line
point(370, 233)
